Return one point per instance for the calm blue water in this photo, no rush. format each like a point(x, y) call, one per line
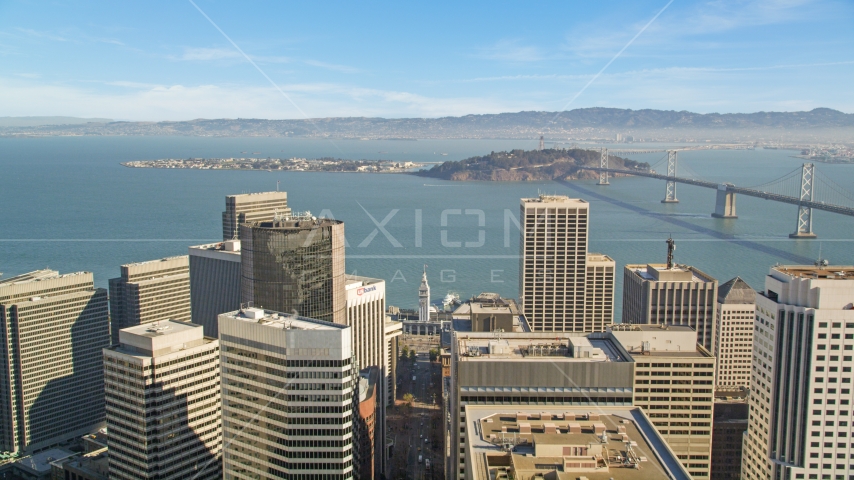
point(67, 204)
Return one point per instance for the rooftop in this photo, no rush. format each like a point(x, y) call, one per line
point(616, 443)
point(279, 320)
point(159, 260)
point(563, 347)
point(658, 272)
point(658, 340)
point(355, 281)
point(161, 329)
point(543, 198)
point(296, 222)
point(230, 247)
point(824, 272)
point(736, 292)
point(37, 276)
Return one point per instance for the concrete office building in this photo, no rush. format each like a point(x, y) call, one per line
point(163, 404)
point(294, 376)
point(251, 207)
point(295, 265)
point(599, 292)
point(149, 292)
point(53, 330)
point(557, 290)
point(607, 443)
point(734, 318)
point(391, 352)
point(214, 282)
point(586, 371)
point(800, 391)
point(366, 319)
point(674, 384)
point(729, 423)
point(671, 295)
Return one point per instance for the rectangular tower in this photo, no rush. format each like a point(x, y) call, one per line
point(288, 385)
point(800, 391)
point(366, 319)
point(599, 292)
point(214, 282)
point(553, 262)
point(51, 375)
point(163, 403)
point(150, 291)
point(251, 207)
point(734, 334)
point(679, 295)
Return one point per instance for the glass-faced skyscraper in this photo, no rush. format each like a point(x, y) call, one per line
point(295, 265)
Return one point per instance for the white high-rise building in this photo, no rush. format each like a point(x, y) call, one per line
point(366, 319)
point(287, 396)
point(801, 415)
point(734, 334)
point(424, 298)
point(562, 287)
point(163, 403)
point(52, 330)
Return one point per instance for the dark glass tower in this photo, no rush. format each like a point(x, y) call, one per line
point(295, 264)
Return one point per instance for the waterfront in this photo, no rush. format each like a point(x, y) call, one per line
point(69, 205)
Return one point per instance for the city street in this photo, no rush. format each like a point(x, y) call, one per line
point(417, 429)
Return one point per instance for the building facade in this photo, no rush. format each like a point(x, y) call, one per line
point(163, 403)
point(295, 265)
point(251, 207)
point(288, 386)
point(734, 319)
point(679, 295)
point(729, 423)
point(214, 282)
point(149, 292)
point(558, 292)
point(53, 330)
point(674, 384)
point(599, 292)
point(581, 372)
point(366, 319)
point(366, 425)
point(800, 390)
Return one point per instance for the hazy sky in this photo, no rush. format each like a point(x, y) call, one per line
point(158, 60)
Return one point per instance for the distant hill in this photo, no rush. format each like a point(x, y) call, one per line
point(39, 121)
point(503, 125)
point(522, 165)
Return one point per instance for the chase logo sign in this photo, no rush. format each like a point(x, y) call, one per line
point(365, 290)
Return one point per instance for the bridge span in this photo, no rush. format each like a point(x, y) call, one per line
point(803, 182)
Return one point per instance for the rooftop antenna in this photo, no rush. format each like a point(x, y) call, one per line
point(277, 185)
point(671, 246)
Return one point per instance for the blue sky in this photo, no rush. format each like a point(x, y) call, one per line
point(165, 61)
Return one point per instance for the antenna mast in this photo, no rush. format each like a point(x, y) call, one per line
point(671, 246)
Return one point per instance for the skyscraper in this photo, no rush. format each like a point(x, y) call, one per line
point(295, 265)
point(51, 375)
point(214, 282)
point(251, 207)
point(150, 291)
point(163, 403)
point(555, 283)
point(800, 390)
point(287, 396)
point(671, 294)
point(366, 319)
point(734, 334)
point(424, 298)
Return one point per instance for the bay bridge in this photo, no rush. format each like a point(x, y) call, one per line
point(804, 187)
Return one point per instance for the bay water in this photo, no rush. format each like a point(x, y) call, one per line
point(68, 204)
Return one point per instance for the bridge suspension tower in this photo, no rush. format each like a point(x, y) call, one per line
point(807, 194)
point(603, 163)
point(670, 187)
